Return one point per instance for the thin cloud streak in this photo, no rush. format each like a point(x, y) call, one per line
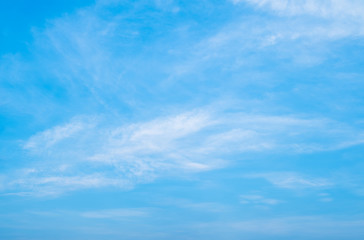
point(291, 180)
point(186, 143)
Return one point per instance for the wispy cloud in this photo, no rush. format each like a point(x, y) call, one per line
point(307, 27)
point(50, 137)
point(258, 200)
point(319, 8)
point(54, 184)
point(325, 18)
point(292, 180)
point(190, 142)
point(115, 213)
point(189, 205)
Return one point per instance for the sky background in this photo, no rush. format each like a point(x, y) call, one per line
point(169, 119)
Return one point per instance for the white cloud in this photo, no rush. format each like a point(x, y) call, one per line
point(157, 135)
point(52, 136)
point(300, 31)
point(291, 180)
point(193, 206)
point(53, 184)
point(258, 200)
point(104, 155)
point(320, 8)
point(161, 144)
point(337, 18)
point(115, 213)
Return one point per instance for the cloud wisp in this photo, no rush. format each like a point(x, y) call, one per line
point(290, 180)
point(89, 153)
point(258, 200)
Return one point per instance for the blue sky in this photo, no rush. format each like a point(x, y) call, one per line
point(167, 119)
